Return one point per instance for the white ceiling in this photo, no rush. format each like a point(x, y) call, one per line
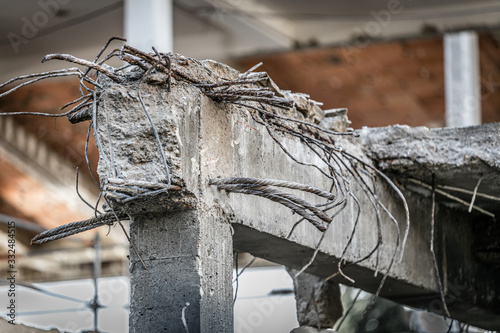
point(223, 29)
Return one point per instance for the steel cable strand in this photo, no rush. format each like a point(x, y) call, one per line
point(334, 173)
point(316, 250)
point(69, 233)
point(328, 205)
point(102, 51)
point(266, 189)
point(86, 63)
point(351, 237)
point(386, 274)
point(272, 182)
point(306, 139)
point(375, 248)
point(365, 188)
point(261, 110)
point(398, 192)
point(79, 99)
point(279, 198)
point(76, 227)
point(300, 210)
point(45, 75)
point(165, 68)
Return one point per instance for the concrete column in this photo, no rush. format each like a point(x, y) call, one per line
point(462, 79)
point(149, 23)
point(183, 239)
point(187, 285)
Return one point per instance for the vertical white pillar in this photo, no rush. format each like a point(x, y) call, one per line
point(462, 79)
point(149, 23)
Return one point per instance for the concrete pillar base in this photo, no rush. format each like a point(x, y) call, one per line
point(187, 284)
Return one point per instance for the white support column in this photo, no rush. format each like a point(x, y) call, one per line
point(462, 79)
point(149, 23)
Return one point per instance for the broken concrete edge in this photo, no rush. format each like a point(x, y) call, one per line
point(210, 72)
point(197, 132)
point(463, 158)
point(462, 164)
point(440, 146)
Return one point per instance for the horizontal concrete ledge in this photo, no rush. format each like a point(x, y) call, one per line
point(458, 157)
point(296, 255)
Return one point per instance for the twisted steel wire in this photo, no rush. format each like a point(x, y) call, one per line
point(77, 227)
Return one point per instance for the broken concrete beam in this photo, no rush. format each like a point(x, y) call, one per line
point(248, 151)
point(455, 157)
point(204, 139)
point(464, 166)
point(183, 238)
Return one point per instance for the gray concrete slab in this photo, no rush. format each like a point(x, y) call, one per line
point(457, 157)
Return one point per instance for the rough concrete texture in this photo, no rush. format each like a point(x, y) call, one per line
point(189, 259)
point(469, 246)
point(187, 252)
point(185, 238)
point(457, 157)
point(318, 302)
point(336, 119)
point(185, 241)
